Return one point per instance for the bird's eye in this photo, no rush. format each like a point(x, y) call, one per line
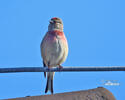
point(53, 21)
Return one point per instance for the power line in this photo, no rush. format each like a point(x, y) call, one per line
point(64, 69)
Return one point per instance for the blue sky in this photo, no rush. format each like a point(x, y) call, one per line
point(95, 30)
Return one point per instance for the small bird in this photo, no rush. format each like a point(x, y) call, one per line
point(54, 49)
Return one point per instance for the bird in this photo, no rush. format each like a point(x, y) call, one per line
point(54, 49)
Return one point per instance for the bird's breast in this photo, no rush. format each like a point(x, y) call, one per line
point(55, 46)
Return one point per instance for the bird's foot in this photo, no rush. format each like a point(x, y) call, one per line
point(60, 67)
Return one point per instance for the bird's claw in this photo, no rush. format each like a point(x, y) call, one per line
point(60, 67)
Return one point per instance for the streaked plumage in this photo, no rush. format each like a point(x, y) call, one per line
point(54, 49)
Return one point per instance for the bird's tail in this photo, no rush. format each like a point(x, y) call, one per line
point(49, 85)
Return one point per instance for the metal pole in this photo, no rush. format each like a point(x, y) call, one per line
point(64, 69)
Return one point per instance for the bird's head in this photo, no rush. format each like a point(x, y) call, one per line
point(55, 24)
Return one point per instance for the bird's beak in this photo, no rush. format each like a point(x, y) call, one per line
point(51, 21)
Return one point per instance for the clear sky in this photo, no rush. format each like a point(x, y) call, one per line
point(95, 30)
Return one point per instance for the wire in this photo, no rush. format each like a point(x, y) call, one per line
point(64, 69)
